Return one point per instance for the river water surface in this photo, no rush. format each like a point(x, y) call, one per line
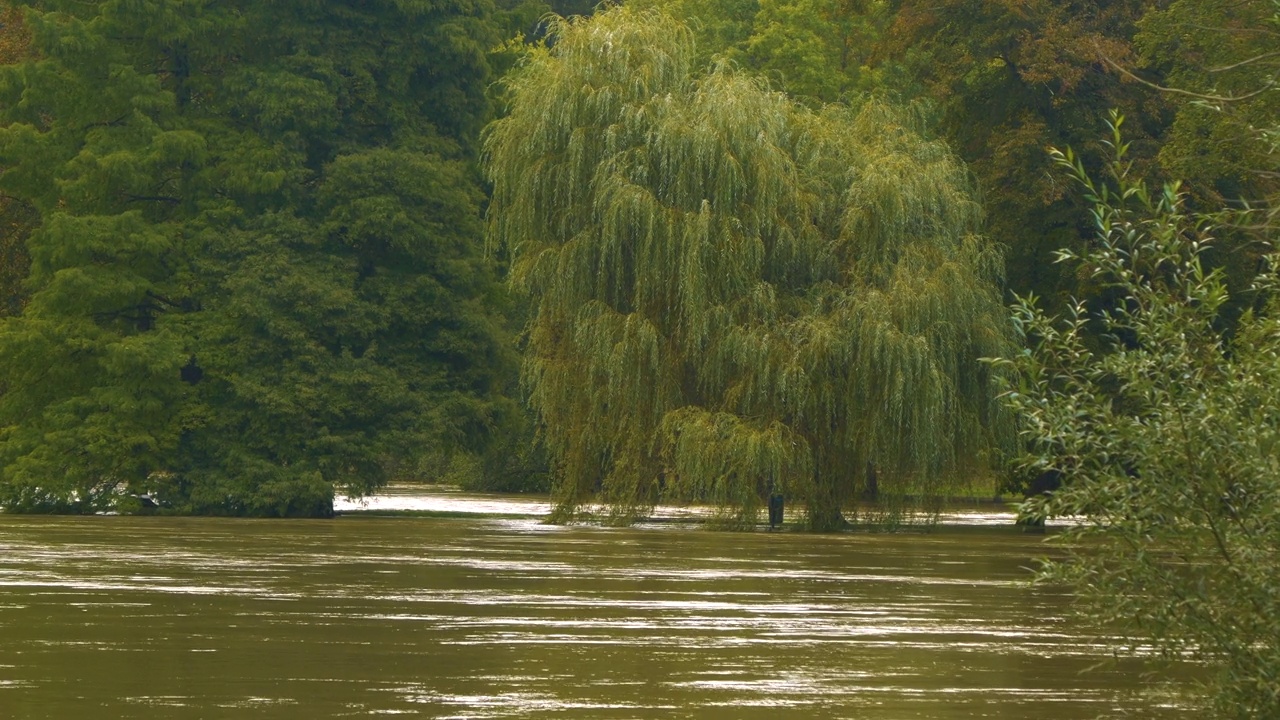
point(481, 617)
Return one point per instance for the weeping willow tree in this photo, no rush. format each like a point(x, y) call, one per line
point(732, 294)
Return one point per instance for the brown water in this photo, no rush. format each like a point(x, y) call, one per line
point(112, 617)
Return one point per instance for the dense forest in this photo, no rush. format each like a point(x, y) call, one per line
point(256, 269)
point(862, 253)
point(245, 261)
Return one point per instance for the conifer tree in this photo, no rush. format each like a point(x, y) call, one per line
point(733, 294)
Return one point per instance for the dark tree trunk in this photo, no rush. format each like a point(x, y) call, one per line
point(824, 508)
point(871, 492)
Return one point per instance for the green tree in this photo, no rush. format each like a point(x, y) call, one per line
point(16, 216)
point(1219, 61)
point(1218, 65)
point(1010, 79)
point(731, 293)
point(257, 275)
point(817, 49)
point(814, 50)
point(1167, 439)
point(721, 27)
point(999, 81)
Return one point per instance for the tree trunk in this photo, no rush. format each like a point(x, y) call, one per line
point(824, 509)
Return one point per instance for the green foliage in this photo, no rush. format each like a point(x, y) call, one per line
point(815, 50)
point(721, 27)
point(1010, 79)
point(999, 81)
point(732, 292)
point(1218, 61)
point(1221, 59)
point(257, 274)
point(16, 217)
point(16, 222)
point(515, 465)
point(1168, 438)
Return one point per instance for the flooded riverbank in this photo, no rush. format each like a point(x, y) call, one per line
point(457, 617)
point(446, 501)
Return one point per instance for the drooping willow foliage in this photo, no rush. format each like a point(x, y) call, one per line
point(732, 294)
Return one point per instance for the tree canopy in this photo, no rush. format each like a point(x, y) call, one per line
point(732, 293)
point(1218, 61)
point(257, 273)
point(1000, 82)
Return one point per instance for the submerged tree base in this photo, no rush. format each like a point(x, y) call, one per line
point(860, 517)
point(832, 521)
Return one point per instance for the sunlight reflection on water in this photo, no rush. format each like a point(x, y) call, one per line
point(448, 500)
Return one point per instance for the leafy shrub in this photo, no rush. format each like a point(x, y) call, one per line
point(1165, 424)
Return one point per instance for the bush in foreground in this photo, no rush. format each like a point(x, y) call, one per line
point(1167, 433)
